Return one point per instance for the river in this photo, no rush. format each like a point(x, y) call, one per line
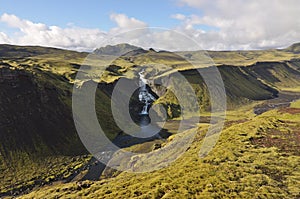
point(96, 167)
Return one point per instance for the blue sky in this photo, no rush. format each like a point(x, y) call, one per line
point(95, 13)
point(215, 25)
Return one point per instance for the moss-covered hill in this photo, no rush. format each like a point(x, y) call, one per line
point(255, 157)
point(38, 140)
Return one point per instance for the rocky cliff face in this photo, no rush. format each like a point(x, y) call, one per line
point(119, 50)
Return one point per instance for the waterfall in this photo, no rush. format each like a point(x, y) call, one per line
point(144, 96)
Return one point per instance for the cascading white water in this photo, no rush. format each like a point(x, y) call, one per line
point(144, 96)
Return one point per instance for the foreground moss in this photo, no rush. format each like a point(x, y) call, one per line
point(243, 164)
point(23, 173)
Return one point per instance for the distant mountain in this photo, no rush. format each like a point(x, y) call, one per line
point(295, 48)
point(118, 50)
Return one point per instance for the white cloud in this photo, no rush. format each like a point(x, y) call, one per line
point(4, 38)
point(250, 24)
point(124, 22)
point(179, 16)
point(128, 30)
point(40, 34)
point(75, 38)
point(24, 25)
point(236, 24)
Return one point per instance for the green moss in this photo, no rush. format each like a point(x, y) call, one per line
point(238, 167)
point(255, 156)
point(295, 104)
